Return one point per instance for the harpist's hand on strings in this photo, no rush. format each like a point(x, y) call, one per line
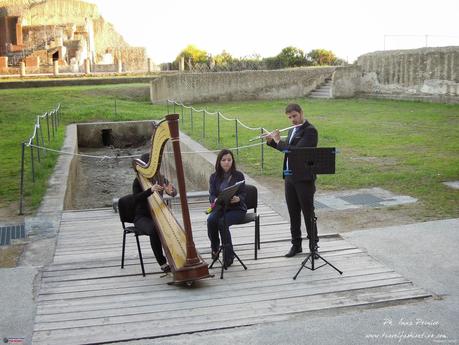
point(169, 188)
point(156, 188)
point(235, 199)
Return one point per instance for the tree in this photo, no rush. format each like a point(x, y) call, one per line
point(291, 57)
point(224, 58)
point(192, 55)
point(320, 57)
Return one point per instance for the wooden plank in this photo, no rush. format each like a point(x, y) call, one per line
point(113, 271)
point(201, 307)
point(85, 297)
point(151, 329)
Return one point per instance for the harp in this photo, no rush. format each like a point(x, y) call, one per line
point(185, 262)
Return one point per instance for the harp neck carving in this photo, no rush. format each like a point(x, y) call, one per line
point(161, 134)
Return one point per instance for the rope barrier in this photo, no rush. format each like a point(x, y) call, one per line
point(131, 156)
point(214, 113)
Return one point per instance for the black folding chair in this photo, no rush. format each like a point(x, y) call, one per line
point(252, 203)
point(127, 213)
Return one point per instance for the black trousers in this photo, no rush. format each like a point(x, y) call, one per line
point(147, 227)
point(300, 198)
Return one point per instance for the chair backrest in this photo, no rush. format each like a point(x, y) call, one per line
point(251, 199)
point(126, 207)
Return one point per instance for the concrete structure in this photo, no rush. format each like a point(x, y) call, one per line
point(425, 74)
point(3, 64)
point(55, 68)
point(69, 31)
point(227, 86)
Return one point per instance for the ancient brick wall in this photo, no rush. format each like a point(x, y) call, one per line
point(425, 74)
point(245, 85)
point(133, 58)
point(54, 13)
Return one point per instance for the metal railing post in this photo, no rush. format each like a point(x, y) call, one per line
point(58, 112)
point(21, 186)
point(218, 128)
point(42, 142)
point(52, 121)
point(237, 137)
point(262, 150)
point(32, 164)
point(38, 144)
point(47, 125)
point(203, 124)
point(191, 122)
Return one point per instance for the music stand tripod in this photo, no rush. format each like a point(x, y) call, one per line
point(223, 202)
point(314, 255)
point(307, 161)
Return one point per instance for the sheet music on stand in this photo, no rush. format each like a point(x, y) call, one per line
point(316, 160)
point(226, 194)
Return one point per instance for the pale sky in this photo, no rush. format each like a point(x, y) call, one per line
point(246, 27)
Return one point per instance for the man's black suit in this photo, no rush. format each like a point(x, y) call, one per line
point(299, 190)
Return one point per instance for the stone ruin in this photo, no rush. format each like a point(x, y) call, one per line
point(71, 32)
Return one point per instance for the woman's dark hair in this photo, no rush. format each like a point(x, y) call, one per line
point(218, 168)
point(293, 107)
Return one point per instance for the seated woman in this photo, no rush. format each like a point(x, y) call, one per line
point(225, 175)
point(143, 220)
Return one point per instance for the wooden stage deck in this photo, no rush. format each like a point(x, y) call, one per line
point(85, 297)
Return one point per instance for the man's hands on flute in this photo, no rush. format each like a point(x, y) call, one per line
point(274, 135)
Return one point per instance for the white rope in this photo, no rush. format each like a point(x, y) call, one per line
point(37, 122)
point(251, 128)
point(133, 156)
point(227, 119)
point(214, 113)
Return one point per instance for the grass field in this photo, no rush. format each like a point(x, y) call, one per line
point(406, 147)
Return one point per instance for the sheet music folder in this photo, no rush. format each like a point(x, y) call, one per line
point(226, 194)
point(316, 160)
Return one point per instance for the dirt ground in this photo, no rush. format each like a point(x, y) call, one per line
point(9, 255)
point(335, 221)
point(9, 214)
point(100, 180)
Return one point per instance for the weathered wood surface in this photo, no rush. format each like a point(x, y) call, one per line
point(85, 297)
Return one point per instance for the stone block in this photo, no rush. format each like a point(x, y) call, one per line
point(32, 61)
point(3, 62)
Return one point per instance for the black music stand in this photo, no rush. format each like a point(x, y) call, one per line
point(306, 161)
point(223, 202)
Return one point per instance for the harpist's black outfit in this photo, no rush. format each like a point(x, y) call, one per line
point(144, 222)
point(299, 190)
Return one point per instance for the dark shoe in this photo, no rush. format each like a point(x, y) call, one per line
point(293, 251)
point(229, 262)
point(228, 259)
point(165, 268)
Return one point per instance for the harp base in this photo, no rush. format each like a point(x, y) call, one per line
point(191, 273)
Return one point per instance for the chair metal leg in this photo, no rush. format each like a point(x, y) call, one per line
point(140, 254)
point(257, 224)
point(123, 249)
point(257, 236)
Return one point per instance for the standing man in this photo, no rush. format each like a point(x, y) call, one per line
point(299, 190)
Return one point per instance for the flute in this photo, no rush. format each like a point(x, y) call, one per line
point(280, 130)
